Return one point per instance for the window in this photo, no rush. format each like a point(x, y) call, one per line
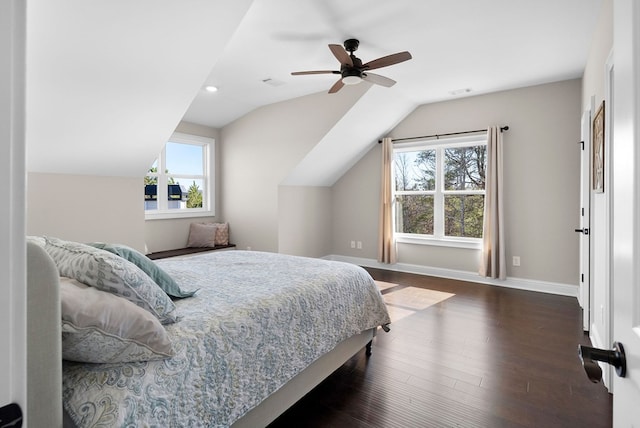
point(180, 183)
point(439, 190)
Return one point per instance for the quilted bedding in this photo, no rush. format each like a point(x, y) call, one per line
point(257, 320)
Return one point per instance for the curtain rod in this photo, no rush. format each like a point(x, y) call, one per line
point(502, 129)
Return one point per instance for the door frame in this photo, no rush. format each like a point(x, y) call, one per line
point(585, 292)
point(608, 371)
point(601, 233)
point(13, 306)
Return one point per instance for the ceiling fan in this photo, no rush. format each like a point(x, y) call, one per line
point(352, 69)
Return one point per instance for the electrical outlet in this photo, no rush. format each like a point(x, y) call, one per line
point(516, 260)
point(359, 245)
point(353, 244)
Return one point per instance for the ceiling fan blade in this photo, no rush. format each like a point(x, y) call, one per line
point(341, 55)
point(378, 80)
point(299, 73)
point(387, 60)
point(336, 87)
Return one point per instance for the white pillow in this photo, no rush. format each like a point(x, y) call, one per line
point(109, 272)
point(99, 327)
point(38, 240)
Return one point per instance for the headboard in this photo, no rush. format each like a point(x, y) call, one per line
point(44, 343)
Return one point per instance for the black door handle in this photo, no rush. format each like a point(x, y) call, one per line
point(11, 416)
point(585, 231)
point(615, 357)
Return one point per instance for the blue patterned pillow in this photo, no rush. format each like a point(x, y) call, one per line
point(147, 265)
point(109, 272)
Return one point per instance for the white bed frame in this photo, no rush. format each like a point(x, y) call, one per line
point(44, 383)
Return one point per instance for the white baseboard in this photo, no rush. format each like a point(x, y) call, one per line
point(518, 283)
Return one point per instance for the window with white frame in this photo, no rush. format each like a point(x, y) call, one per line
point(180, 181)
point(439, 190)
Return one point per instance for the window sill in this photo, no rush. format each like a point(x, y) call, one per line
point(164, 215)
point(473, 244)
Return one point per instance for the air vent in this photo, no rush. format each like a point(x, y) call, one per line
point(460, 91)
point(272, 82)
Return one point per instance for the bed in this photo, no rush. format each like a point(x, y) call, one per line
point(261, 330)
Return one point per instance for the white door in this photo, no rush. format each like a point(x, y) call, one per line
point(584, 295)
point(626, 209)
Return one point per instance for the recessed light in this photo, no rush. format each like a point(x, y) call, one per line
point(210, 88)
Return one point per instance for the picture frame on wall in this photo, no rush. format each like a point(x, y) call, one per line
point(598, 150)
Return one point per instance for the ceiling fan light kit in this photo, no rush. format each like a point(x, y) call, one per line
point(353, 71)
point(351, 77)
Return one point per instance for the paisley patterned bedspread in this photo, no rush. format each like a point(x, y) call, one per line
point(257, 321)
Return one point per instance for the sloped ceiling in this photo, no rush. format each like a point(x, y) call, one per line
point(109, 80)
point(372, 115)
point(481, 45)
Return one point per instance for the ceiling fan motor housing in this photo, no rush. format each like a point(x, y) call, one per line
point(351, 45)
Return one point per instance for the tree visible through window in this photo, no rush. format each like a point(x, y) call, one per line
point(439, 188)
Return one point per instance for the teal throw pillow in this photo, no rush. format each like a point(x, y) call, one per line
point(159, 276)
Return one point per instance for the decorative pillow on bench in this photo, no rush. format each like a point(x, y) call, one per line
point(208, 234)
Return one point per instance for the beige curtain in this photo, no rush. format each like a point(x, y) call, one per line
point(493, 264)
point(386, 243)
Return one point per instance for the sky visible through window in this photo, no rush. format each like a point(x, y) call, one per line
point(184, 158)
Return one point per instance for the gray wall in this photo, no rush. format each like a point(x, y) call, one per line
point(541, 182)
point(304, 220)
point(86, 208)
point(258, 151)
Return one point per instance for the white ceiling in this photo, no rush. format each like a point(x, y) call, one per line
point(483, 45)
point(109, 80)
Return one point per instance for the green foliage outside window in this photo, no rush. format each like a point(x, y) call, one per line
point(417, 186)
point(194, 196)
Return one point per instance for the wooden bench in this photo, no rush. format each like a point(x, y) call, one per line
point(186, 251)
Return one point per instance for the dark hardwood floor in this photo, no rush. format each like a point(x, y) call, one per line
point(462, 355)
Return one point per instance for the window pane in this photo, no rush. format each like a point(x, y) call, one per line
point(414, 214)
point(184, 193)
point(463, 215)
point(150, 193)
point(464, 168)
point(415, 170)
point(194, 193)
point(184, 159)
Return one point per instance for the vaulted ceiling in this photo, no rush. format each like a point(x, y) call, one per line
point(108, 81)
